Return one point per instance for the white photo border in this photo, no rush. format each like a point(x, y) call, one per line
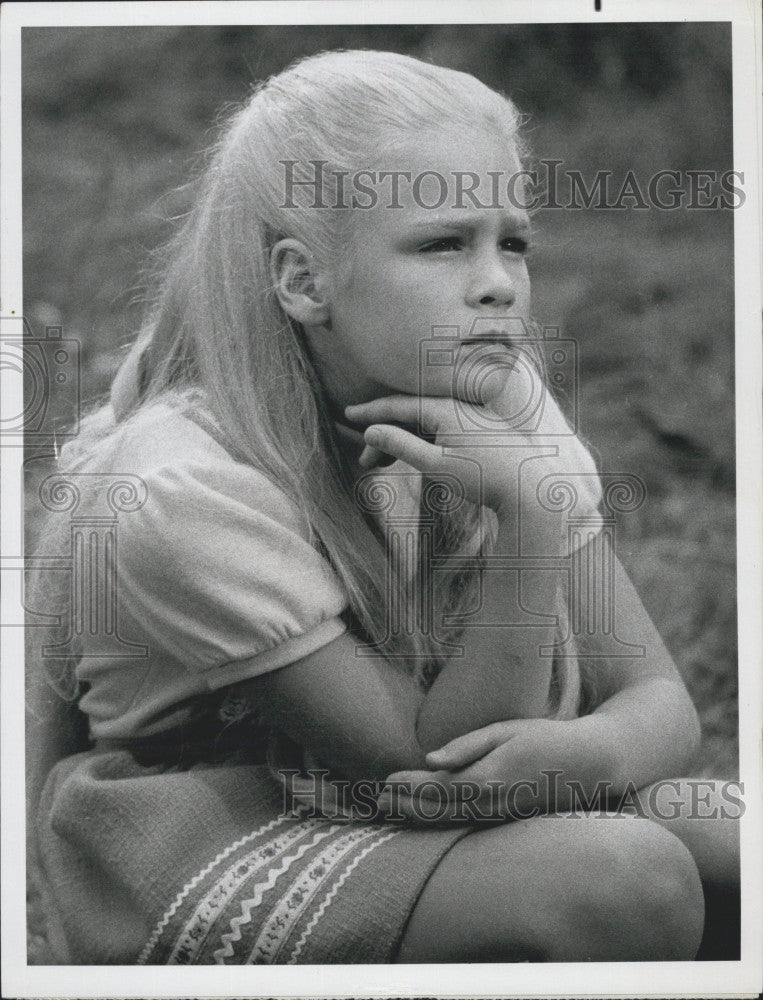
point(711, 979)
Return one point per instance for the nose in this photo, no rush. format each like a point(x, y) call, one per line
point(491, 285)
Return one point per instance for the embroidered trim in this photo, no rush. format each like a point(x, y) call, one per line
point(199, 925)
point(248, 905)
point(290, 907)
point(331, 894)
point(190, 886)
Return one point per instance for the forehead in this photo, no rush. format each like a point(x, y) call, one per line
point(450, 148)
point(441, 176)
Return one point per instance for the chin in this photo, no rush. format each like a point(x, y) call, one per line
point(482, 392)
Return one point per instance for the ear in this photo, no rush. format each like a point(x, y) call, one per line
point(299, 284)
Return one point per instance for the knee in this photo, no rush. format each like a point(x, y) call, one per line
point(667, 892)
point(638, 896)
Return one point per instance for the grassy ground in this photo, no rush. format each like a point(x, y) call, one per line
point(114, 117)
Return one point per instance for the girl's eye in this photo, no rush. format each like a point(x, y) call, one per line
point(443, 244)
point(515, 244)
point(512, 244)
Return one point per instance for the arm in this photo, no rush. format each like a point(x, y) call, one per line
point(364, 717)
point(644, 729)
point(646, 726)
point(356, 714)
point(501, 674)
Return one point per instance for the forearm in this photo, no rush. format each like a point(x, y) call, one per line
point(357, 715)
point(644, 729)
point(501, 674)
point(645, 732)
point(645, 726)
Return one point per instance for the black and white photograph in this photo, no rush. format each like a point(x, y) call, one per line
point(381, 550)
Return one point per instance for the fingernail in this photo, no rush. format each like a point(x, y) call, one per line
point(372, 436)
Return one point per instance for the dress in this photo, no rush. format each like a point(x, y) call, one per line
point(163, 844)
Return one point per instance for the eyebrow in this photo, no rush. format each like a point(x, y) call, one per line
point(467, 222)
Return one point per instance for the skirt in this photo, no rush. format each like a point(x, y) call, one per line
point(212, 864)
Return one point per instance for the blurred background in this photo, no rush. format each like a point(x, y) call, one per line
point(115, 120)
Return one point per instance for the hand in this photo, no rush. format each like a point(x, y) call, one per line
point(489, 472)
point(553, 428)
point(488, 476)
point(507, 770)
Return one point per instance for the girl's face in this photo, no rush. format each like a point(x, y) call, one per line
point(411, 269)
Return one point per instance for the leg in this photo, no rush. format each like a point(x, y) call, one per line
point(589, 888)
point(704, 814)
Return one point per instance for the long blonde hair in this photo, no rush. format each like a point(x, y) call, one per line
point(215, 334)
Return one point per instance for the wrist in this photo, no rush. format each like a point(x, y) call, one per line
point(601, 760)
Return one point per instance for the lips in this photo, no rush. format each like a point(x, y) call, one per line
point(481, 370)
point(505, 343)
point(482, 351)
point(490, 338)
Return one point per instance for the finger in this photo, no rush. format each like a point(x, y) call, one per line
point(422, 412)
point(413, 809)
point(394, 807)
point(406, 446)
point(451, 757)
point(412, 780)
point(466, 749)
point(438, 790)
point(426, 804)
point(370, 457)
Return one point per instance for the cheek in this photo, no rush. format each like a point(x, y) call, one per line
point(396, 310)
point(365, 295)
point(526, 290)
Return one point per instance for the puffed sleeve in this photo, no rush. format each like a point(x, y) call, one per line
point(218, 570)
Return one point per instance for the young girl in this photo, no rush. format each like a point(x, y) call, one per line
point(287, 604)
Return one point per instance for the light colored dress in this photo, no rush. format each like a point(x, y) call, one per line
point(170, 841)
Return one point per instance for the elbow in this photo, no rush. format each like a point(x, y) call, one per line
point(405, 755)
point(694, 735)
point(689, 729)
point(429, 736)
